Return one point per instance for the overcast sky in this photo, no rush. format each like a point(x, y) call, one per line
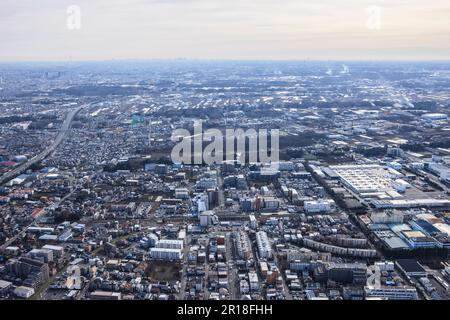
point(225, 29)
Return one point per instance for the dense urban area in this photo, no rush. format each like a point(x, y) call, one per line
point(93, 207)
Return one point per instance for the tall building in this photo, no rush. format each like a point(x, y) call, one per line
point(33, 272)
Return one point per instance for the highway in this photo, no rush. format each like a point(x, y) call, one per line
point(39, 157)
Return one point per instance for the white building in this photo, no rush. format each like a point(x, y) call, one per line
point(434, 116)
point(169, 244)
point(385, 265)
point(253, 280)
point(253, 222)
point(181, 193)
point(24, 292)
point(401, 185)
point(364, 178)
point(58, 251)
point(319, 206)
point(391, 293)
point(387, 217)
point(263, 243)
point(441, 170)
point(271, 203)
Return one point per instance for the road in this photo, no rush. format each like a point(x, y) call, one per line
point(43, 154)
point(232, 272)
point(184, 264)
point(220, 185)
point(62, 133)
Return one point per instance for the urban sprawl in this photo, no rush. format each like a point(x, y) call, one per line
point(93, 207)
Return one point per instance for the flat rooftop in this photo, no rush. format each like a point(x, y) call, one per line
point(410, 265)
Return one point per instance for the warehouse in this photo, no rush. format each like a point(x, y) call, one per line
point(363, 178)
point(411, 268)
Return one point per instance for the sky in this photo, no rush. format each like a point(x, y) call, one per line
point(73, 30)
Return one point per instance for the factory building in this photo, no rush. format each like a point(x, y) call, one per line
point(439, 169)
point(411, 268)
point(386, 217)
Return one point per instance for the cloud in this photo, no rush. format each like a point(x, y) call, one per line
point(269, 29)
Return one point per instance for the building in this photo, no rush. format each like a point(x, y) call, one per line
point(44, 255)
point(181, 193)
point(434, 116)
point(206, 183)
point(253, 221)
point(271, 203)
point(244, 287)
point(411, 268)
point(354, 273)
point(439, 169)
point(24, 292)
point(391, 292)
point(343, 251)
point(385, 265)
point(410, 203)
point(34, 272)
point(58, 251)
point(386, 217)
point(417, 239)
point(400, 185)
point(363, 178)
point(106, 295)
point(169, 244)
point(5, 286)
point(264, 246)
point(247, 204)
point(319, 206)
point(208, 218)
point(243, 245)
point(284, 165)
point(254, 281)
point(166, 254)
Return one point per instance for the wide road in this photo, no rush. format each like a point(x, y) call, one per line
point(39, 157)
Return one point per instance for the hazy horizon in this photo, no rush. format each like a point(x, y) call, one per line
point(263, 30)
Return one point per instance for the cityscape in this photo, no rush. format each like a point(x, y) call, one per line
point(224, 158)
point(353, 203)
